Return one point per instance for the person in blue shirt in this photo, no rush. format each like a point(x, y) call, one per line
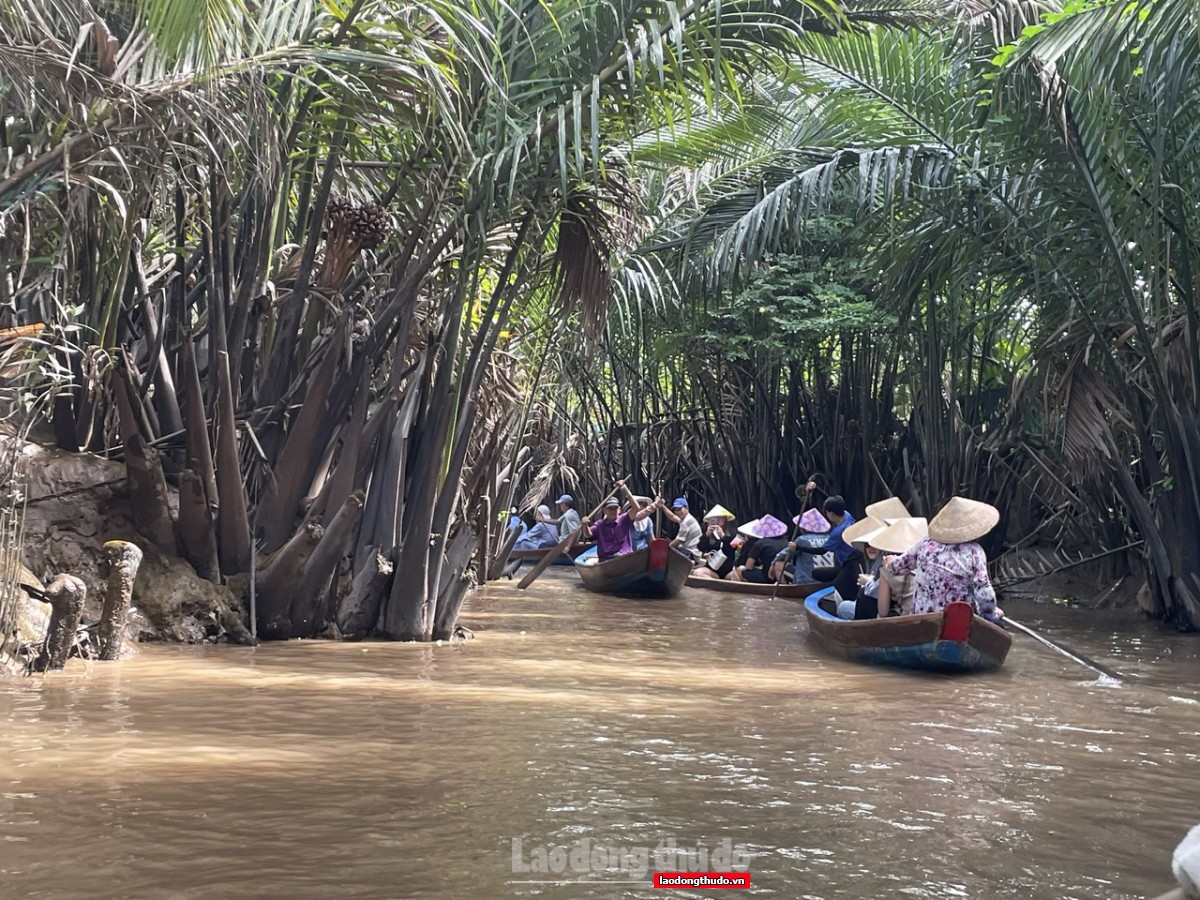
point(515, 523)
point(844, 575)
point(834, 509)
point(643, 530)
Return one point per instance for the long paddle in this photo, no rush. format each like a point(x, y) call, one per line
point(791, 553)
point(1059, 648)
point(545, 561)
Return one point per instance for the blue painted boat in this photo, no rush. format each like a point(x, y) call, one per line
point(954, 640)
point(655, 571)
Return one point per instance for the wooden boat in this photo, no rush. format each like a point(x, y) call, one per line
point(653, 571)
point(954, 640)
point(786, 591)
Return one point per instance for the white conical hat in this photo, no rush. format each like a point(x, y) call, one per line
point(889, 510)
point(901, 535)
point(863, 530)
point(963, 520)
point(718, 512)
point(748, 528)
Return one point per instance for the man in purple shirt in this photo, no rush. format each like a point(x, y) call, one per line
point(613, 533)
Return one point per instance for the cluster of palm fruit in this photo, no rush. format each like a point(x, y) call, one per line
point(363, 227)
point(352, 229)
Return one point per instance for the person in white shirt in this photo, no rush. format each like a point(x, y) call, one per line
point(688, 539)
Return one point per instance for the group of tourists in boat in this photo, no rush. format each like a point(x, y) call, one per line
point(887, 563)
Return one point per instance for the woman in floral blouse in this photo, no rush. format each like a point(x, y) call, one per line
point(949, 564)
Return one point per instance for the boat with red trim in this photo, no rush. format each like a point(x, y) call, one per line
point(954, 640)
point(655, 571)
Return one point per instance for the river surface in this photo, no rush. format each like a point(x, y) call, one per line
point(579, 735)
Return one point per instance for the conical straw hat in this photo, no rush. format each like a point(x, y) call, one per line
point(963, 520)
point(718, 512)
point(812, 521)
point(901, 536)
point(748, 528)
point(862, 530)
point(889, 510)
point(769, 526)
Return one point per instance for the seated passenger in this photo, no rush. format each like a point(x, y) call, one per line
point(716, 544)
point(643, 529)
point(516, 523)
point(949, 564)
point(814, 529)
point(834, 510)
point(768, 539)
point(857, 594)
point(896, 591)
point(880, 593)
point(541, 536)
point(687, 540)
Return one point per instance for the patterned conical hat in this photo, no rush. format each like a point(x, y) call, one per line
point(769, 527)
point(813, 522)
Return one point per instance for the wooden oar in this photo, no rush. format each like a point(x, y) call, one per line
point(558, 551)
point(1059, 648)
point(791, 553)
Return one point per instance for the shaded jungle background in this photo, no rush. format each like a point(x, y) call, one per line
point(342, 283)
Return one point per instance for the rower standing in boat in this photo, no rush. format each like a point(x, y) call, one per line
point(614, 532)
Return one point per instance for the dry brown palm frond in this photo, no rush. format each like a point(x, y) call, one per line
point(1178, 353)
point(582, 262)
point(596, 224)
point(1089, 408)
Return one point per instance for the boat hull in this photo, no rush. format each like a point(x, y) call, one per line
point(951, 641)
point(784, 592)
point(654, 572)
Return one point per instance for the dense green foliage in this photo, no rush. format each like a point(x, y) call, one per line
point(1019, 177)
point(356, 276)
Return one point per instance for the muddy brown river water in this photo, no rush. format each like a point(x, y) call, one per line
point(577, 737)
